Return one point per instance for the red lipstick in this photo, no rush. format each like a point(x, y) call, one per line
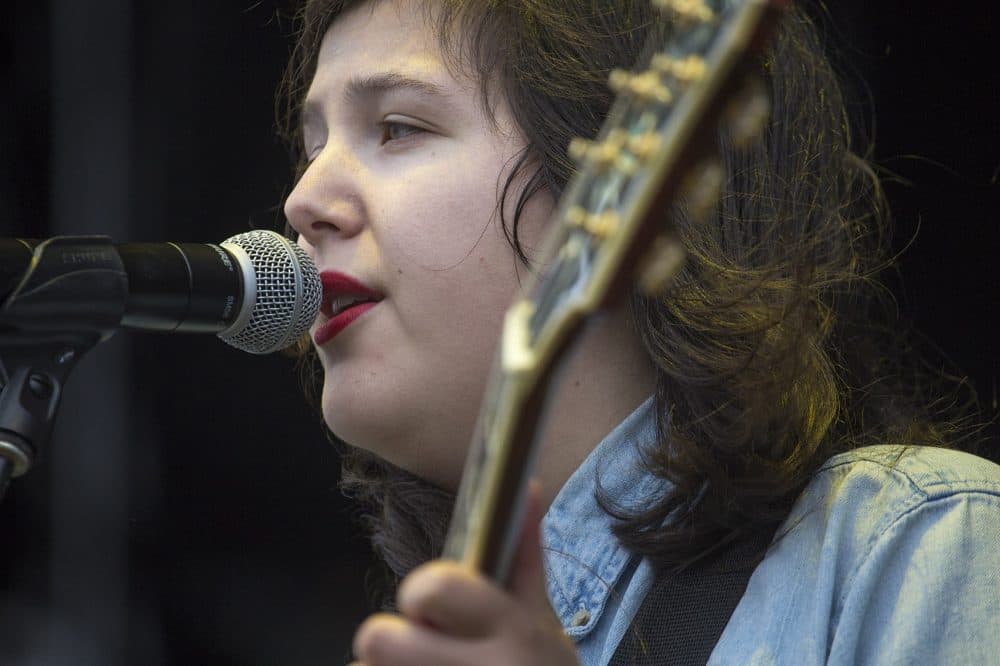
point(344, 300)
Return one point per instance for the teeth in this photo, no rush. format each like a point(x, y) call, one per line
point(340, 303)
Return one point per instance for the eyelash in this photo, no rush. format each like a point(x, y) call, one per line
point(386, 125)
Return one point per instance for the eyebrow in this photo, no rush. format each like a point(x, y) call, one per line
point(383, 82)
point(372, 85)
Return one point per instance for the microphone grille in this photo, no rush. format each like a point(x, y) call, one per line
point(282, 292)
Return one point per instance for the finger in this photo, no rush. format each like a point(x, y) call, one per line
point(452, 598)
point(385, 640)
point(527, 581)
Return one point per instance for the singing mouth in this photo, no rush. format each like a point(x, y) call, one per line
point(338, 304)
point(344, 300)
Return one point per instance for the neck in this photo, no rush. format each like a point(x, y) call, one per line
point(606, 376)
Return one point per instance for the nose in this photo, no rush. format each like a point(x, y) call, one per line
point(326, 202)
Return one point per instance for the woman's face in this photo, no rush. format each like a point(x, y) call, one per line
point(400, 198)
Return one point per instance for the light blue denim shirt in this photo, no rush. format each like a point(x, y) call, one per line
point(889, 556)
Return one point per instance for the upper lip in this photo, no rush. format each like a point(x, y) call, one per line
point(339, 285)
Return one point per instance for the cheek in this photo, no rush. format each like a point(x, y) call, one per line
point(304, 244)
point(455, 270)
point(452, 252)
point(460, 309)
point(441, 227)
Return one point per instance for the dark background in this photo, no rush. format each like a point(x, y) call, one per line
point(187, 510)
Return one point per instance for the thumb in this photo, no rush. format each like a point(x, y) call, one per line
point(527, 581)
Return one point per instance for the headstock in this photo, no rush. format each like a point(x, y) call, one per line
point(611, 231)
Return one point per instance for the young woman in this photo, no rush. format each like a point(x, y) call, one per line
point(752, 415)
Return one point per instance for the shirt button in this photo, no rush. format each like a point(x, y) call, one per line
point(581, 618)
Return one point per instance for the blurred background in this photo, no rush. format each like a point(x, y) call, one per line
point(186, 510)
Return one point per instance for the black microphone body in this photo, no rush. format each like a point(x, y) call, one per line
point(257, 290)
point(190, 287)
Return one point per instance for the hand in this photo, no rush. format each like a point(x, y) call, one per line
point(450, 615)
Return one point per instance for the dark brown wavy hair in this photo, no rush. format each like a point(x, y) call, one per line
point(775, 347)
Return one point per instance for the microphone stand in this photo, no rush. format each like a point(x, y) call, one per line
point(70, 298)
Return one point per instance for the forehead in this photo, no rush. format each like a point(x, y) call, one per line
point(383, 35)
point(383, 47)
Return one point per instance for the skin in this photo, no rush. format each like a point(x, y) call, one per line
point(401, 194)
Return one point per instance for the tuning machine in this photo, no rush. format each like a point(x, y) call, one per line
point(646, 86)
point(601, 155)
point(748, 111)
point(689, 11)
point(701, 188)
point(599, 225)
point(659, 264)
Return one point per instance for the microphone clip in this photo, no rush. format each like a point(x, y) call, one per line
point(48, 321)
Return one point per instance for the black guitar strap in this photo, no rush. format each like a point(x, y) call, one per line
point(684, 614)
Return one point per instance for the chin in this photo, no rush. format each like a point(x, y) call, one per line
point(346, 427)
point(406, 453)
point(385, 420)
point(362, 430)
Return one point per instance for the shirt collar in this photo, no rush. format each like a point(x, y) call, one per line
point(583, 559)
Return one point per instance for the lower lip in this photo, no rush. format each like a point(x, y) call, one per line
point(330, 329)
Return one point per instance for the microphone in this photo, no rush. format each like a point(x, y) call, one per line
point(258, 291)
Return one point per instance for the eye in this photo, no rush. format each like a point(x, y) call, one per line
point(395, 131)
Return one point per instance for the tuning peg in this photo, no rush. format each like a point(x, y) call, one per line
point(576, 216)
point(647, 86)
point(600, 154)
point(747, 113)
point(578, 148)
point(659, 264)
point(684, 70)
point(645, 145)
point(686, 10)
point(604, 224)
point(600, 225)
point(702, 187)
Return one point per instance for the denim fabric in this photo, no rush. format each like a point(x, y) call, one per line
point(890, 556)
